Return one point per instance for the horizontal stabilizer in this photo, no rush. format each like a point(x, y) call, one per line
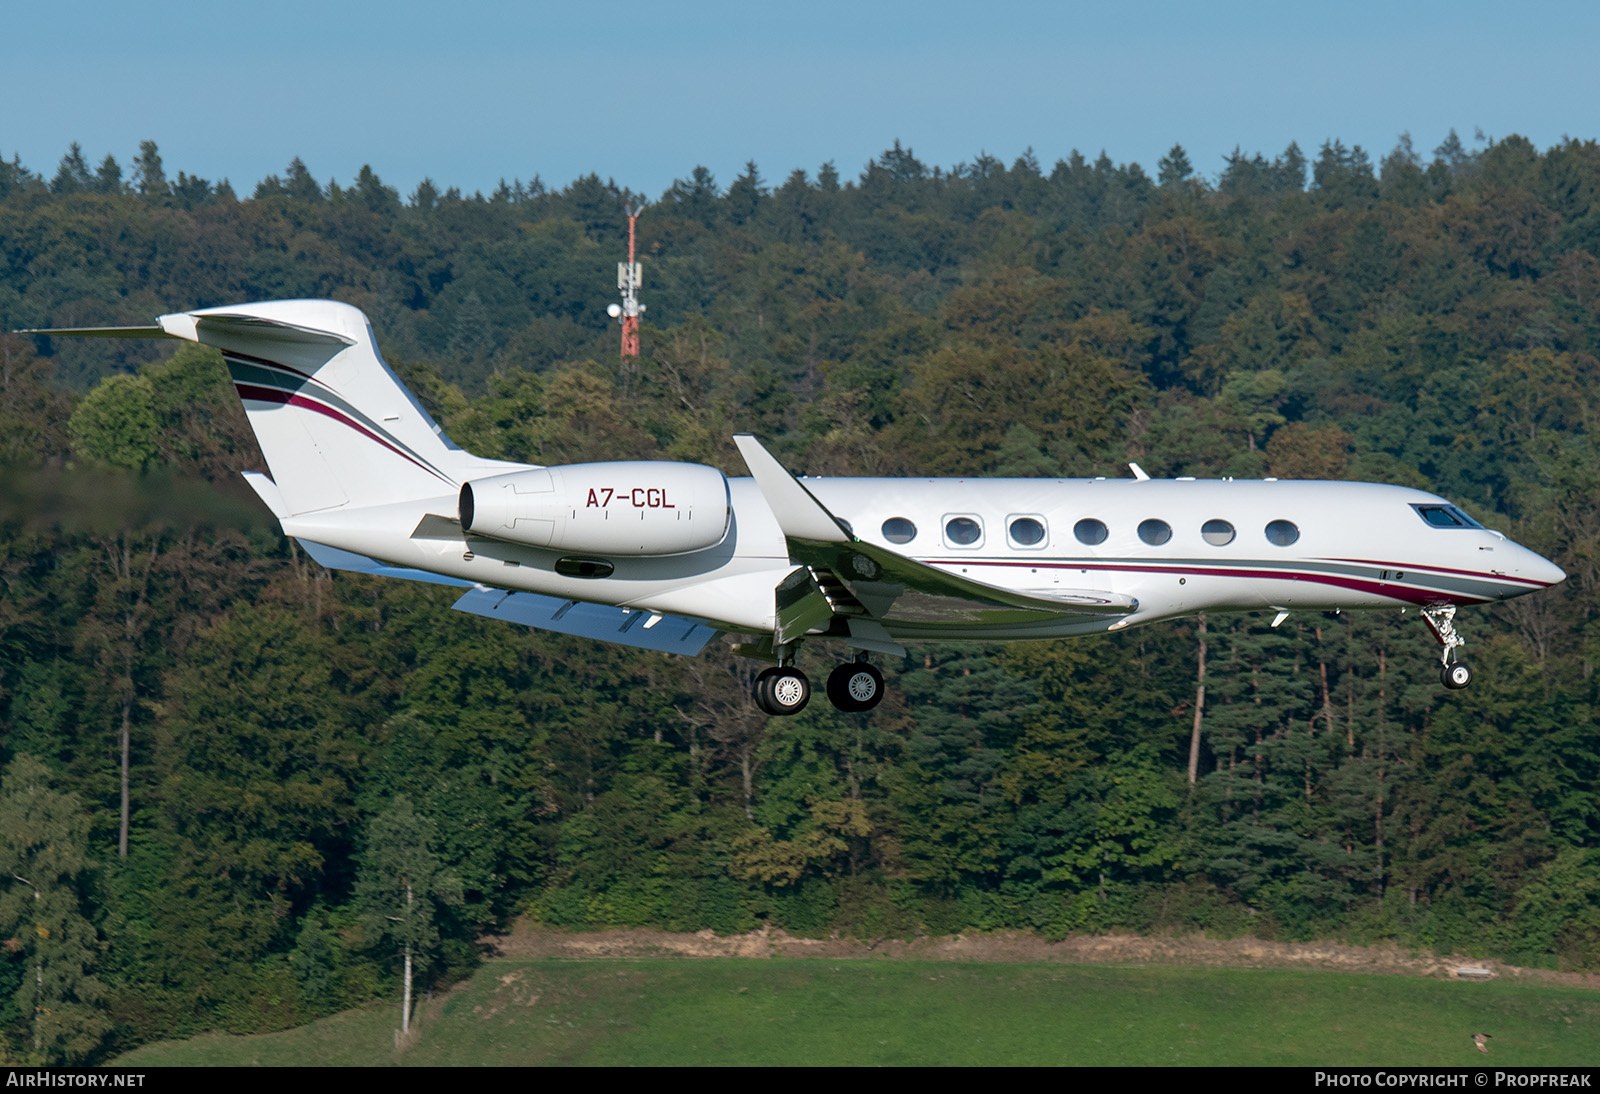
point(211, 325)
point(643, 629)
point(103, 332)
point(335, 559)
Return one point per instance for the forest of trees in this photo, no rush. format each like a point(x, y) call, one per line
point(221, 766)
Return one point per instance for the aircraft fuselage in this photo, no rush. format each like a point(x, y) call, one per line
point(1177, 547)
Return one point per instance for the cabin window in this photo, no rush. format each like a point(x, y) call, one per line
point(1282, 533)
point(899, 530)
point(1445, 516)
point(1155, 532)
point(1091, 532)
point(962, 531)
point(1218, 533)
point(1027, 532)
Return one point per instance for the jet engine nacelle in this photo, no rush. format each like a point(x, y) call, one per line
point(623, 508)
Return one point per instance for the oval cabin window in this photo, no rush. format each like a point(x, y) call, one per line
point(899, 530)
point(963, 531)
point(1027, 532)
point(1155, 532)
point(1218, 533)
point(1091, 532)
point(1282, 533)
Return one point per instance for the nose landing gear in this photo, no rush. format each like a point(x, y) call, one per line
point(1454, 674)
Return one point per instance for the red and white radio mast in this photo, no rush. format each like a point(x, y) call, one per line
point(628, 281)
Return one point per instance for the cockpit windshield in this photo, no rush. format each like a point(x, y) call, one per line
point(1445, 516)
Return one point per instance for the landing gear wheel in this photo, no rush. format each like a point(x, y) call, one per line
point(855, 686)
point(1441, 620)
point(782, 690)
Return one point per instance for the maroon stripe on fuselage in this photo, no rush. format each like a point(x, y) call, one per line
point(271, 395)
point(1480, 575)
point(1410, 596)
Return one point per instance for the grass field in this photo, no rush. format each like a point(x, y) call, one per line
point(734, 1011)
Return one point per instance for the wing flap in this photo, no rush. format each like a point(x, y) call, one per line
point(642, 629)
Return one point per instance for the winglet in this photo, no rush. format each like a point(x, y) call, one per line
point(799, 514)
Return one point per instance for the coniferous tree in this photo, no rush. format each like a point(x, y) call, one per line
point(108, 176)
point(149, 177)
point(72, 177)
point(1174, 170)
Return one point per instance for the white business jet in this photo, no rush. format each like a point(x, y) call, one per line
point(665, 555)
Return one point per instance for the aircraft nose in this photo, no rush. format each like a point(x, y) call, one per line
point(1531, 566)
point(1542, 569)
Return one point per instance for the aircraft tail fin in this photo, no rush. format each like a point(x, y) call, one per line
point(335, 424)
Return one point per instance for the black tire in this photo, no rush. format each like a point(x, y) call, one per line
point(782, 691)
point(758, 690)
point(1456, 675)
point(855, 686)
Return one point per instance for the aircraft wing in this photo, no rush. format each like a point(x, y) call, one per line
point(846, 576)
point(624, 626)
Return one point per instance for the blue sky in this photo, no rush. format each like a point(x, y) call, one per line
point(470, 92)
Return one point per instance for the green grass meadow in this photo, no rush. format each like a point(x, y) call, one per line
point(811, 1011)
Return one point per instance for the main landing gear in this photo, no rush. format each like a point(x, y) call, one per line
point(853, 687)
point(1453, 673)
point(782, 689)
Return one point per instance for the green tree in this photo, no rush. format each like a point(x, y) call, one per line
point(116, 424)
point(149, 177)
point(108, 176)
point(44, 872)
point(1175, 171)
point(72, 177)
point(401, 885)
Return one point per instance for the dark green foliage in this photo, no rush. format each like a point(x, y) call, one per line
point(56, 1012)
point(1430, 322)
